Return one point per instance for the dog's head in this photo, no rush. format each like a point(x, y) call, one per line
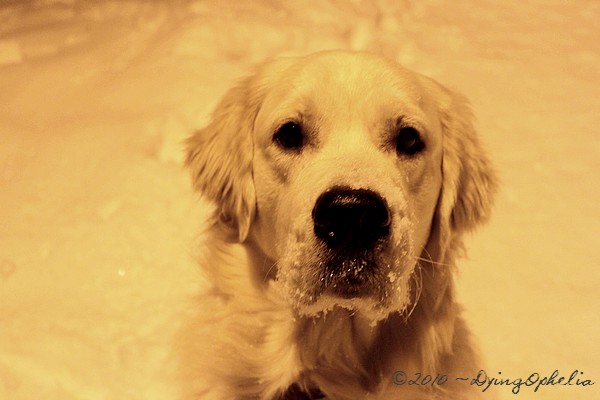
point(346, 171)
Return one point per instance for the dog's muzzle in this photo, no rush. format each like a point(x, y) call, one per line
point(351, 220)
point(352, 226)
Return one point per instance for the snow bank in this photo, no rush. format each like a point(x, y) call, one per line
point(97, 219)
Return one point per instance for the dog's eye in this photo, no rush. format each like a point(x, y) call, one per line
point(289, 136)
point(409, 142)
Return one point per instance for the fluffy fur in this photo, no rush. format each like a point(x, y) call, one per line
point(267, 329)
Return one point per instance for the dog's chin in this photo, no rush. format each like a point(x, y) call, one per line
point(363, 284)
point(368, 307)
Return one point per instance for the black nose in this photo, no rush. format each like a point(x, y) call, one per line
point(352, 218)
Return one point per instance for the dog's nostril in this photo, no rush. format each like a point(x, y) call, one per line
point(345, 217)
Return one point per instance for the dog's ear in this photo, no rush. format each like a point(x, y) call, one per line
point(220, 157)
point(469, 181)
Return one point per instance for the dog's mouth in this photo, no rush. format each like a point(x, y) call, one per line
point(350, 274)
point(374, 282)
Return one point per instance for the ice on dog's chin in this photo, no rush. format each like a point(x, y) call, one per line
point(368, 307)
point(292, 284)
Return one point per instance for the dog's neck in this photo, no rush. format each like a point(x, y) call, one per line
point(361, 331)
point(336, 346)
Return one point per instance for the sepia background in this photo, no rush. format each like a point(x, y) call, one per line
point(98, 221)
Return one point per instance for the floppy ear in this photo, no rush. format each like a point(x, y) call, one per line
point(220, 157)
point(469, 181)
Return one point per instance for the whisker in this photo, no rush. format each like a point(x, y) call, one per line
point(268, 272)
point(437, 263)
point(417, 277)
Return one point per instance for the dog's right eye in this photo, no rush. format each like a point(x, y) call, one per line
point(409, 142)
point(289, 136)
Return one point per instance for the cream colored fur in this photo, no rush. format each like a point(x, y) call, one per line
point(255, 333)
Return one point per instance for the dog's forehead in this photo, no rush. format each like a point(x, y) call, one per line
point(332, 84)
point(351, 73)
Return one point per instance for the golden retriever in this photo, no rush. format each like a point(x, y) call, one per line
point(343, 185)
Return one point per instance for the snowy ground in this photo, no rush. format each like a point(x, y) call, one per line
point(97, 218)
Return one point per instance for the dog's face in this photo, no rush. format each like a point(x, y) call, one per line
point(338, 178)
point(347, 172)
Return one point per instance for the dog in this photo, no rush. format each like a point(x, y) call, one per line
point(342, 186)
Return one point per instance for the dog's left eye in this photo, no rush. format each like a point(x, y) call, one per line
point(409, 141)
point(289, 136)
